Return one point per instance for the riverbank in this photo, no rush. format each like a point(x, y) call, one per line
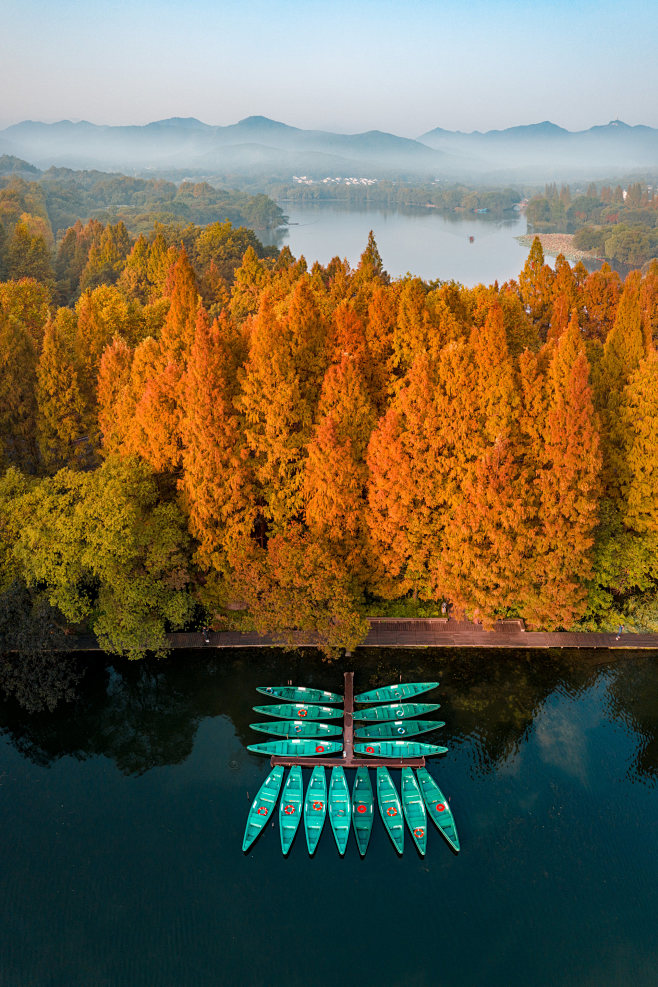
point(429, 632)
point(558, 243)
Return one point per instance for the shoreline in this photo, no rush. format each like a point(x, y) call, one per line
point(423, 632)
point(558, 243)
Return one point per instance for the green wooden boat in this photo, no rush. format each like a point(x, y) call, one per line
point(315, 808)
point(340, 808)
point(263, 806)
point(394, 711)
point(298, 728)
point(390, 808)
point(398, 748)
point(297, 747)
point(394, 693)
point(363, 803)
point(299, 694)
point(290, 807)
point(396, 729)
point(414, 809)
point(438, 808)
point(299, 711)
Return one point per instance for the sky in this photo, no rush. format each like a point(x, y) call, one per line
point(403, 67)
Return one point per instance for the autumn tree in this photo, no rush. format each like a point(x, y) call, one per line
point(641, 421)
point(280, 388)
point(406, 489)
point(64, 420)
point(536, 288)
point(568, 484)
point(336, 473)
point(216, 481)
point(18, 405)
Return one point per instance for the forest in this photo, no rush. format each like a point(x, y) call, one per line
point(618, 224)
point(443, 196)
point(61, 196)
point(196, 430)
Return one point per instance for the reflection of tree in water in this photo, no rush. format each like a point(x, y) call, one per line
point(145, 714)
point(140, 715)
point(492, 698)
point(633, 697)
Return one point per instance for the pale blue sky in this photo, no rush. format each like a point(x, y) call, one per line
point(405, 67)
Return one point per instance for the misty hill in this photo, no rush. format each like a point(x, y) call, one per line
point(546, 148)
point(260, 148)
point(255, 144)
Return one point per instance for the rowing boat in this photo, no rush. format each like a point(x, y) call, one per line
point(297, 748)
point(298, 728)
point(363, 803)
point(390, 808)
point(438, 808)
point(290, 808)
point(414, 809)
point(394, 711)
point(299, 711)
point(398, 748)
point(299, 694)
point(262, 806)
point(394, 693)
point(340, 808)
point(396, 729)
point(315, 808)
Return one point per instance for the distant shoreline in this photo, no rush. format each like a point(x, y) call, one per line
point(558, 243)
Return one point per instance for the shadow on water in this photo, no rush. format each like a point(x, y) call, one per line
point(123, 814)
point(146, 714)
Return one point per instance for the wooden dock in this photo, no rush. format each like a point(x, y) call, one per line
point(347, 759)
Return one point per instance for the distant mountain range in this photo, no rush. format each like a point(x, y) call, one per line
point(258, 146)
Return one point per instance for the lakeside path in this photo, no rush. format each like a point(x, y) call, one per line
point(432, 632)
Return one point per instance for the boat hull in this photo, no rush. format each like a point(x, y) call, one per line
point(299, 694)
point(294, 729)
point(438, 808)
point(340, 808)
point(363, 809)
point(414, 810)
point(397, 729)
point(290, 807)
point(297, 748)
point(315, 808)
point(263, 806)
point(398, 748)
point(299, 711)
point(395, 711)
point(390, 808)
point(395, 693)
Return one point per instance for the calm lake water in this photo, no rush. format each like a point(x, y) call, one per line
point(123, 817)
point(420, 241)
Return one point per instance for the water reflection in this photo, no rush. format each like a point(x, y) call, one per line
point(633, 698)
point(147, 714)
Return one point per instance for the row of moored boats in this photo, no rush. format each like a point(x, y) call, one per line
point(383, 728)
point(420, 797)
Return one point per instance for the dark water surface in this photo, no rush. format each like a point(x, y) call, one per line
point(122, 823)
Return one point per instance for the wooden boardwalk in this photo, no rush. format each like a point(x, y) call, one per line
point(431, 632)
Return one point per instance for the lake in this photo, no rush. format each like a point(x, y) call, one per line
point(420, 241)
point(123, 817)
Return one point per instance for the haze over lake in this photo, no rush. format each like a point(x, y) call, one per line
point(422, 242)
